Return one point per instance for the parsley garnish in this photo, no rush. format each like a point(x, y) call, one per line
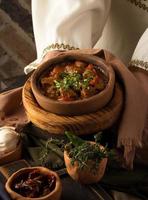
point(69, 80)
point(72, 81)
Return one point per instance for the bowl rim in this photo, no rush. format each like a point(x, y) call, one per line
point(25, 169)
point(11, 153)
point(44, 66)
point(91, 142)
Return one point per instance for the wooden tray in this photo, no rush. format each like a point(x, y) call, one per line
point(80, 125)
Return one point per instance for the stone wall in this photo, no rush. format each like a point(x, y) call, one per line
point(17, 47)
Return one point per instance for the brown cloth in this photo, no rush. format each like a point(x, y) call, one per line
point(12, 112)
point(133, 118)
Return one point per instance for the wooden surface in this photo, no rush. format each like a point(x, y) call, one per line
point(80, 125)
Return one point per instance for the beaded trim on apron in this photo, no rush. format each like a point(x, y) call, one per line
point(143, 4)
point(139, 64)
point(58, 46)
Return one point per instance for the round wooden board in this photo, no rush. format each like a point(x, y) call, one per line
point(80, 125)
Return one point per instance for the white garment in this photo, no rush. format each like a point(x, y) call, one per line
point(78, 23)
point(140, 56)
point(125, 25)
point(67, 24)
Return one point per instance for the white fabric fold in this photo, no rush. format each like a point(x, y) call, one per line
point(67, 24)
point(78, 23)
point(140, 55)
point(141, 51)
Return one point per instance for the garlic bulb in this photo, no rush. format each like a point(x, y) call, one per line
point(9, 139)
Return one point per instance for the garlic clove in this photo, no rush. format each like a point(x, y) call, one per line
point(9, 139)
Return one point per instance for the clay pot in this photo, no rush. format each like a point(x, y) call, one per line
point(12, 155)
point(85, 176)
point(77, 107)
point(54, 195)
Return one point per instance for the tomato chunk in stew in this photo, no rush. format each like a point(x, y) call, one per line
point(73, 80)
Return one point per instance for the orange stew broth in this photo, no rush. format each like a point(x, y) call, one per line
point(73, 80)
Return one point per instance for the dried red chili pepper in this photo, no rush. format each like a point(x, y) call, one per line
point(34, 184)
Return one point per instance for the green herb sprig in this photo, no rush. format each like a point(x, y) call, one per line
point(52, 153)
point(83, 151)
point(69, 80)
point(74, 81)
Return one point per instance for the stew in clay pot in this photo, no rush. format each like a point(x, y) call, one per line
point(71, 81)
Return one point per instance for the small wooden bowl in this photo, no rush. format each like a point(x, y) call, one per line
point(12, 155)
point(77, 107)
point(85, 176)
point(54, 195)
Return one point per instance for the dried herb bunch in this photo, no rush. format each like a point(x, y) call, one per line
point(51, 155)
point(83, 152)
